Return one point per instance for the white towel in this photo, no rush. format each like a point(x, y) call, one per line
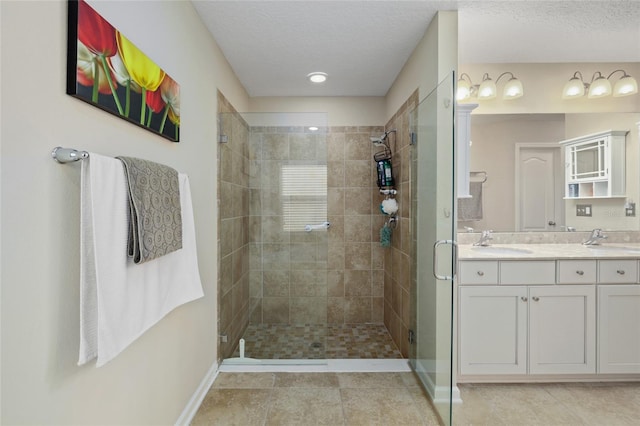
point(120, 300)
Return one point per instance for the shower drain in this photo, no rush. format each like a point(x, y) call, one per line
point(316, 345)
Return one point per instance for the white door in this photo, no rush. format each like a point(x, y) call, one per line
point(493, 330)
point(619, 329)
point(562, 329)
point(539, 203)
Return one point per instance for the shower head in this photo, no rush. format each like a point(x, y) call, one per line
point(381, 140)
point(377, 141)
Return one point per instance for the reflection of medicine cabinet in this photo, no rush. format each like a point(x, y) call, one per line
point(595, 165)
point(463, 128)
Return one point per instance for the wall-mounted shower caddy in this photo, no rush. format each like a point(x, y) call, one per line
point(386, 185)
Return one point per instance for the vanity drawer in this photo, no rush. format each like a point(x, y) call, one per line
point(618, 271)
point(478, 272)
point(524, 272)
point(577, 271)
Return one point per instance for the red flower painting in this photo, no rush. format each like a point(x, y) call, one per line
point(106, 69)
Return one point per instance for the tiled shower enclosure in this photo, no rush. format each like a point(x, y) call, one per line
point(275, 177)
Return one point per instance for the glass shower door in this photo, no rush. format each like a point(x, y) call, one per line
point(434, 251)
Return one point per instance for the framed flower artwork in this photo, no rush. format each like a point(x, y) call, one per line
point(105, 69)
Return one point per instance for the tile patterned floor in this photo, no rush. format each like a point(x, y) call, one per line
point(280, 341)
point(397, 399)
point(315, 399)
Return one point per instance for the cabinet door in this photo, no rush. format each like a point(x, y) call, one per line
point(493, 330)
point(619, 329)
point(562, 329)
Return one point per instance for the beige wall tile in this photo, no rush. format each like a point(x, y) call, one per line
point(302, 146)
point(335, 310)
point(357, 201)
point(335, 146)
point(335, 201)
point(357, 173)
point(357, 255)
point(275, 310)
point(335, 283)
point(336, 256)
point(308, 310)
point(275, 146)
point(357, 228)
point(276, 283)
point(357, 310)
point(357, 283)
point(357, 146)
point(335, 174)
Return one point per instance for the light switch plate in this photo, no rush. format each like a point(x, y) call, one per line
point(583, 210)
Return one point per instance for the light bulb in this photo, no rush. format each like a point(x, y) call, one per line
point(599, 88)
point(487, 90)
point(464, 90)
point(317, 77)
point(573, 89)
point(626, 86)
point(513, 89)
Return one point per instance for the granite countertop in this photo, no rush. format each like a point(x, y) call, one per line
point(548, 251)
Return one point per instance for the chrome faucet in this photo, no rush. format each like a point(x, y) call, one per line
point(595, 237)
point(484, 238)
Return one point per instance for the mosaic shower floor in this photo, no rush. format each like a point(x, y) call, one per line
point(309, 341)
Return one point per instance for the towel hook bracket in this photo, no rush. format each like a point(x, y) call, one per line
point(68, 155)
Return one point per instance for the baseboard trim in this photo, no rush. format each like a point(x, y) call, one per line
point(194, 403)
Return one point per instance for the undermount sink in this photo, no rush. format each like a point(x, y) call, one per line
point(615, 249)
point(501, 250)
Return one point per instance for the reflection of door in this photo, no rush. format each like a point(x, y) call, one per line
point(539, 183)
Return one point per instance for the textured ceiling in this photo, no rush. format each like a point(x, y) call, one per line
point(362, 45)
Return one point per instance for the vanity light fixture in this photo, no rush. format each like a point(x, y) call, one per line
point(313, 128)
point(487, 88)
point(317, 77)
point(599, 86)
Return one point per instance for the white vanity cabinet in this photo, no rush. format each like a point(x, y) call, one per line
point(493, 330)
point(619, 328)
point(562, 329)
point(618, 317)
point(595, 165)
point(526, 322)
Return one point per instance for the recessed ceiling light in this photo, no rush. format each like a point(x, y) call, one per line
point(313, 128)
point(317, 77)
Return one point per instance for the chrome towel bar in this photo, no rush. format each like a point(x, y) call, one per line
point(68, 155)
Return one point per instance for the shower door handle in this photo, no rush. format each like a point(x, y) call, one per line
point(437, 244)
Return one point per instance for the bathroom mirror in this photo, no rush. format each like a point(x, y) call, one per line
point(501, 145)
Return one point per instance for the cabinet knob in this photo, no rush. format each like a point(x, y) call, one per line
point(620, 271)
point(580, 272)
point(523, 298)
point(535, 298)
point(480, 273)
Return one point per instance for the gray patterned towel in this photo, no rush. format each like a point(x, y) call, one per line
point(155, 228)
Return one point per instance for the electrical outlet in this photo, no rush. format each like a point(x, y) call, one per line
point(630, 210)
point(583, 210)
